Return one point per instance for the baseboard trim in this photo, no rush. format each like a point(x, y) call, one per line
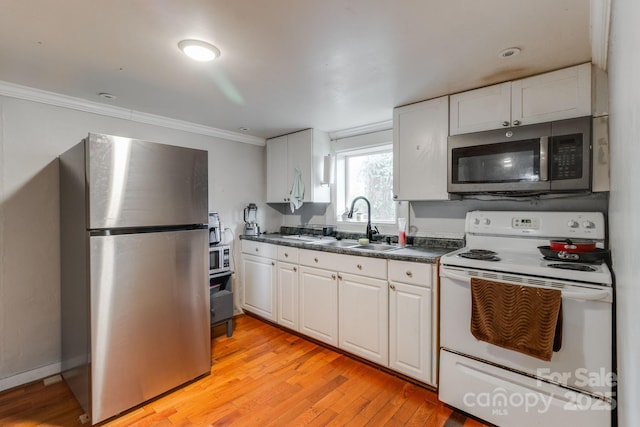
point(29, 376)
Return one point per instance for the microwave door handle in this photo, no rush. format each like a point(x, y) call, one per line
point(544, 158)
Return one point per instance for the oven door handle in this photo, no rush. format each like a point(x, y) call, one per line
point(451, 275)
point(593, 295)
point(587, 296)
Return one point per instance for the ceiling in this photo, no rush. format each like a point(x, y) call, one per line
point(286, 65)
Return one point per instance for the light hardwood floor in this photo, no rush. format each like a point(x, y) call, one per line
point(261, 376)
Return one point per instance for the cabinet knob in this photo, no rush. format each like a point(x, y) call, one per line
point(315, 259)
point(359, 266)
point(257, 249)
point(286, 255)
point(409, 274)
point(333, 276)
point(273, 263)
point(295, 268)
point(505, 124)
point(417, 147)
point(395, 196)
point(516, 122)
point(393, 287)
point(339, 277)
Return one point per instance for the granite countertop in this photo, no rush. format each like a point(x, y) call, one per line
point(429, 251)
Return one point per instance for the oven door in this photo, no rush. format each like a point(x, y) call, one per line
point(584, 360)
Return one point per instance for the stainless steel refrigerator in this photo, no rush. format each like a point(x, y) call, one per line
point(134, 264)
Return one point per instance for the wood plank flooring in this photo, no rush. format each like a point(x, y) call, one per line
point(261, 376)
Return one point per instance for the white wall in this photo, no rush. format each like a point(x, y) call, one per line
point(624, 208)
point(32, 136)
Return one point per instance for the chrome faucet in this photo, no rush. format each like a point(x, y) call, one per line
point(350, 215)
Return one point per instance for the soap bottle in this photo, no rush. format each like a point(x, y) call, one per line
point(402, 232)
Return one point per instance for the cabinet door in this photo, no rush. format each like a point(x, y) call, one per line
point(288, 295)
point(558, 95)
point(363, 317)
point(480, 109)
point(299, 156)
point(259, 293)
point(319, 304)
point(420, 150)
point(410, 331)
point(277, 178)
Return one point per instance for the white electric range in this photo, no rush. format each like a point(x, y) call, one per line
point(506, 387)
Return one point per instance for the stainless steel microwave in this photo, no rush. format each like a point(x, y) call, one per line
point(532, 159)
point(219, 259)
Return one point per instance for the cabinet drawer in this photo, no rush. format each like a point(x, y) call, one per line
point(288, 254)
point(259, 249)
point(319, 259)
point(414, 273)
point(363, 266)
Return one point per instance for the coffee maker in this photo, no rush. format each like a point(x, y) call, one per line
point(215, 233)
point(251, 228)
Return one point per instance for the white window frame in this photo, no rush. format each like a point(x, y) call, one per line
point(352, 144)
point(342, 176)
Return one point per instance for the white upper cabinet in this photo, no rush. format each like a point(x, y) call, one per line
point(558, 95)
point(420, 150)
point(304, 151)
point(562, 94)
point(481, 109)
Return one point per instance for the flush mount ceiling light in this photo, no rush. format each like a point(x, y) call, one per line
point(199, 50)
point(509, 52)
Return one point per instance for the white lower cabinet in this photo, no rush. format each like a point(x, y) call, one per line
point(259, 275)
point(411, 316)
point(288, 295)
point(383, 311)
point(287, 284)
point(319, 304)
point(363, 317)
point(259, 286)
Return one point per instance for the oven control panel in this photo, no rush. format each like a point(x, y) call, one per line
point(529, 223)
point(586, 225)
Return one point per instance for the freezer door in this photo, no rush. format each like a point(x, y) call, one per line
point(135, 183)
point(150, 327)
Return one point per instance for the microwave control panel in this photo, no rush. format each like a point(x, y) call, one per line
point(567, 157)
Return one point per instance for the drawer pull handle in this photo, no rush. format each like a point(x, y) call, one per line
point(393, 287)
point(333, 276)
point(409, 274)
point(315, 259)
point(359, 266)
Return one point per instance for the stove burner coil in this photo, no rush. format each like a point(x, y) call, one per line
point(480, 254)
point(575, 267)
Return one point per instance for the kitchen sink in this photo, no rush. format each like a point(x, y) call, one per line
point(375, 247)
point(337, 243)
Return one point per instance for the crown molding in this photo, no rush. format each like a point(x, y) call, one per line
point(361, 130)
point(51, 98)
